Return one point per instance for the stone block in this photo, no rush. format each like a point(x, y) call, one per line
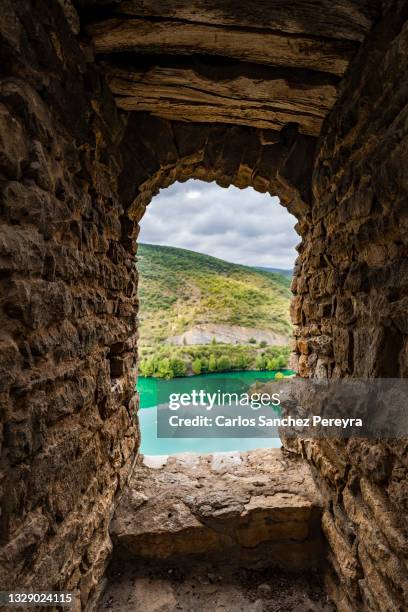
point(191, 521)
point(13, 145)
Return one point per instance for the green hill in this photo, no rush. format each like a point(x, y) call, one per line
point(283, 271)
point(184, 292)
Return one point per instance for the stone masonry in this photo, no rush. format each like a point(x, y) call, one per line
point(68, 307)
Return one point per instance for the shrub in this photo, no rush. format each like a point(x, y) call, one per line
point(164, 369)
point(196, 366)
point(272, 364)
point(212, 364)
point(146, 367)
point(242, 362)
point(178, 366)
point(260, 363)
point(223, 363)
point(204, 364)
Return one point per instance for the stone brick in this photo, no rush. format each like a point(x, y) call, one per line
point(13, 145)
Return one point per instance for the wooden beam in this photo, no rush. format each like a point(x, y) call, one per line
point(184, 94)
point(261, 46)
point(174, 111)
point(346, 19)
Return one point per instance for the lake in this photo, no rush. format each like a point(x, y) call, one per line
point(151, 388)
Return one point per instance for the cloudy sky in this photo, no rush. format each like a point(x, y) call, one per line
point(242, 226)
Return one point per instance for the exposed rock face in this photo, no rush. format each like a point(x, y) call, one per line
point(227, 334)
point(76, 177)
point(251, 509)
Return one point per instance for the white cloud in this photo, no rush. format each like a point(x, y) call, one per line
point(193, 194)
point(242, 226)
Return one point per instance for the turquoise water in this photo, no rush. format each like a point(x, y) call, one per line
point(233, 382)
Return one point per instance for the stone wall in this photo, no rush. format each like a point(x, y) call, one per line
point(351, 313)
point(67, 306)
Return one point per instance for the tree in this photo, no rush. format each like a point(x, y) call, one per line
point(241, 362)
point(272, 364)
point(196, 366)
point(164, 369)
point(263, 343)
point(212, 364)
point(146, 367)
point(223, 363)
point(204, 364)
point(252, 341)
point(260, 363)
point(178, 366)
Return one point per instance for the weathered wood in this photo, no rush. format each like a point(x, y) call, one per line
point(244, 100)
point(262, 46)
point(348, 19)
point(206, 114)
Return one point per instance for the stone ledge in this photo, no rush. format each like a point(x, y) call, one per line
point(260, 505)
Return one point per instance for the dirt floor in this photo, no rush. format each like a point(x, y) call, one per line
point(206, 589)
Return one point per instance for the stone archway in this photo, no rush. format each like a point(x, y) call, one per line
point(80, 161)
point(157, 153)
